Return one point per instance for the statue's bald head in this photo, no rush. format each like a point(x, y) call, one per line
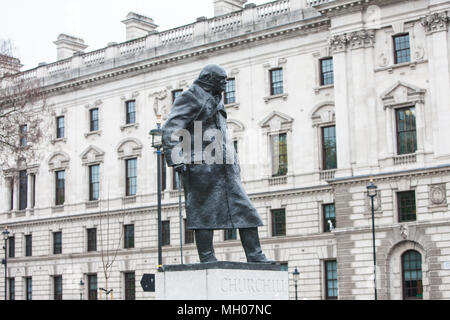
point(214, 77)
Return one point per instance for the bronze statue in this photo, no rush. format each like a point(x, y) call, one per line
point(214, 195)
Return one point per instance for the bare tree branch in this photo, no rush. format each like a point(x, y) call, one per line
point(23, 109)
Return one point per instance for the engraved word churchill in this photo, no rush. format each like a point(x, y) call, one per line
point(215, 197)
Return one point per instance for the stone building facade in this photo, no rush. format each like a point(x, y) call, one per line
point(326, 94)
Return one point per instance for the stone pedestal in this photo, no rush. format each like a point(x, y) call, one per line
point(222, 281)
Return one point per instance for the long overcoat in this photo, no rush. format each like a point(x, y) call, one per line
point(214, 195)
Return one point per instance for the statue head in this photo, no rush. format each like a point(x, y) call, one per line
point(213, 78)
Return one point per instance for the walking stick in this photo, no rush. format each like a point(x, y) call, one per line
point(181, 215)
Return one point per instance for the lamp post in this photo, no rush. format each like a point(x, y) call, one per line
point(296, 274)
point(5, 260)
point(81, 289)
point(157, 144)
point(372, 193)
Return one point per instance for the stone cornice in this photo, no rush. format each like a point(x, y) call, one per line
point(386, 176)
point(339, 7)
point(436, 22)
point(291, 29)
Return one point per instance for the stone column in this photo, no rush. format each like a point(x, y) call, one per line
point(362, 101)
point(436, 27)
point(338, 48)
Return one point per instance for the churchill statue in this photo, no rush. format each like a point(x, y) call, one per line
point(197, 145)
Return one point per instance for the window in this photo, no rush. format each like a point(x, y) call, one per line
point(131, 111)
point(60, 186)
point(130, 282)
point(92, 287)
point(406, 203)
point(12, 289)
point(131, 176)
point(326, 71)
point(60, 127)
point(230, 234)
point(188, 234)
point(57, 242)
point(412, 275)
point(94, 182)
point(329, 217)
point(11, 194)
point(91, 239)
point(23, 189)
point(279, 155)
point(329, 157)
point(402, 51)
point(33, 190)
point(12, 247)
point(406, 130)
point(23, 130)
point(176, 94)
point(331, 285)
point(278, 222)
point(129, 236)
point(230, 91)
point(28, 288)
point(28, 245)
point(165, 232)
point(284, 266)
point(93, 115)
point(276, 81)
point(57, 288)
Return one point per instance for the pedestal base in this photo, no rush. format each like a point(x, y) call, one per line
point(222, 281)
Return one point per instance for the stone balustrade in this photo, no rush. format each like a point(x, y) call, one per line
point(170, 41)
point(313, 3)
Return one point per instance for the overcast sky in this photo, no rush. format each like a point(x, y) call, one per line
point(33, 25)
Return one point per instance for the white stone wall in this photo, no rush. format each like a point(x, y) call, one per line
point(368, 88)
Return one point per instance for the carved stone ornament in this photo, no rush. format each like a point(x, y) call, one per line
point(161, 104)
point(383, 60)
point(404, 231)
point(438, 194)
point(436, 22)
point(353, 40)
point(338, 43)
point(361, 39)
point(376, 202)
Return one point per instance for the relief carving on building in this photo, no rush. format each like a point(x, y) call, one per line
point(161, 103)
point(438, 194)
point(436, 22)
point(363, 38)
point(338, 43)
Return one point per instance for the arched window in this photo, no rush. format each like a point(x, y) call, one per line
point(412, 275)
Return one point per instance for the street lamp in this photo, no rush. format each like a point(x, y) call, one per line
point(296, 274)
point(81, 289)
point(5, 261)
point(372, 193)
point(157, 144)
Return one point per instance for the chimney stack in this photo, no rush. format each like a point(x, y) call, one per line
point(138, 26)
point(226, 6)
point(9, 65)
point(67, 45)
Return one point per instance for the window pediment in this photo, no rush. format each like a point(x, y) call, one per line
point(92, 155)
point(129, 147)
point(276, 121)
point(402, 93)
point(58, 161)
point(323, 113)
point(235, 125)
